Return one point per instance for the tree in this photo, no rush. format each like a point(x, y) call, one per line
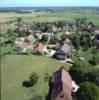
point(81, 23)
point(46, 78)
point(34, 77)
point(9, 32)
point(53, 40)
point(60, 24)
point(44, 38)
point(93, 76)
point(19, 19)
point(79, 70)
point(63, 37)
point(82, 71)
point(78, 74)
point(85, 40)
point(81, 64)
point(11, 35)
point(88, 91)
point(75, 42)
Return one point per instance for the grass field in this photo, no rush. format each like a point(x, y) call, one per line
point(45, 16)
point(17, 68)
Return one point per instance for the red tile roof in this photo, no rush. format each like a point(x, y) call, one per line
point(62, 83)
point(66, 79)
point(39, 48)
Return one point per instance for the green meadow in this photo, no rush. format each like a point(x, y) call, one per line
point(17, 68)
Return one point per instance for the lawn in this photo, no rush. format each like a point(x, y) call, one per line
point(17, 68)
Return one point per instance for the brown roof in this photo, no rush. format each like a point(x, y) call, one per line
point(39, 48)
point(30, 38)
point(62, 85)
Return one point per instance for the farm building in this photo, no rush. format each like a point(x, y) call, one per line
point(64, 51)
point(61, 86)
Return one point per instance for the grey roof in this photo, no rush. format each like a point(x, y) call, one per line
point(67, 49)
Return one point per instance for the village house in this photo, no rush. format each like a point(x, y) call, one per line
point(37, 34)
point(24, 43)
point(96, 29)
point(29, 39)
point(23, 26)
point(38, 49)
point(61, 86)
point(63, 51)
point(67, 32)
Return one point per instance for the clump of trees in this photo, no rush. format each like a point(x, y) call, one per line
point(76, 42)
point(87, 77)
point(81, 71)
point(41, 26)
point(19, 19)
point(60, 24)
point(44, 38)
point(33, 79)
point(83, 40)
point(88, 91)
point(11, 35)
point(53, 40)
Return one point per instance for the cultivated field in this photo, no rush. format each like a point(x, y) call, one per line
point(44, 16)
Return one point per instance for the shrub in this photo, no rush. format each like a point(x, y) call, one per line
point(19, 19)
point(93, 76)
point(34, 77)
point(46, 78)
point(79, 70)
point(81, 64)
point(53, 40)
point(27, 83)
